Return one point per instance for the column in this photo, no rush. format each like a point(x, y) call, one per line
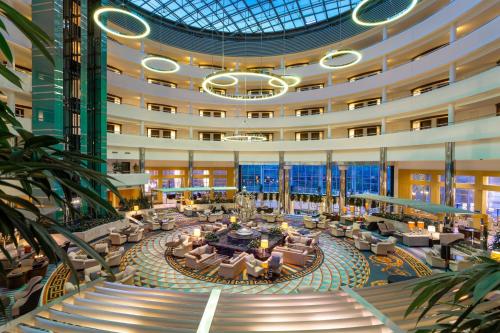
point(329, 80)
point(449, 181)
point(282, 110)
point(236, 172)
point(329, 106)
point(384, 33)
point(453, 32)
point(384, 94)
point(382, 173)
point(281, 181)
point(451, 114)
point(384, 63)
point(328, 199)
point(141, 102)
point(190, 133)
point(190, 168)
point(191, 84)
point(383, 126)
point(142, 131)
point(190, 108)
point(329, 132)
point(286, 178)
point(282, 63)
point(282, 134)
point(342, 189)
point(452, 73)
point(142, 160)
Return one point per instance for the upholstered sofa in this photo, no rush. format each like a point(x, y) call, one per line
point(113, 258)
point(233, 267)
point(168, 225)
point(117, 239)
point(126, 276)
point(81, 261)
point(382, 248)
point(308, 222)
point(354, 231)
point(363, 241)
point(336, 231)
point(136, 236)
point(216, 228)
point(293, 256)
point(153, 225)
point(416, 239)
point(197, 258)
point(300, 242)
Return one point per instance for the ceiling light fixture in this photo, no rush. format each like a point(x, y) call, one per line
point(355, 14)
point(210, 81)
point(244, 138)
point(146, 63)
point(338, 53)
point(230, 84)
point(104, 10)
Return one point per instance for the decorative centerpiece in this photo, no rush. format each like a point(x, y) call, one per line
point(244, 231)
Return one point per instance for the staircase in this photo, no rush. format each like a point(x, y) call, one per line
point(111, 307)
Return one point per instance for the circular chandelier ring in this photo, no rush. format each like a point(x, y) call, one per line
point(292, 81)
point(393, 18)
point(146, 60)
point(337, 53)
point(244, 138)
point(235, 82)
point(104, 10)
point(209, 81)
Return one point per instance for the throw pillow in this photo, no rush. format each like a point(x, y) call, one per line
point(197, 256)
point(291, 240)
point(210, 249)
point(309, 242)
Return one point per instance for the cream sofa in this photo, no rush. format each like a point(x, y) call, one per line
point(234, 267)
point(136, 236)
point(184, 247)
point(197, 258)
point(382, 248)
point(363, 241)
point(416, 239)
point(292, 256)
point(168, 225)
point(336, 231)
point(117, 239)
point(354, 231)
point(81, 261)
point(300, 243)
point(254, 266)
point(113, 258)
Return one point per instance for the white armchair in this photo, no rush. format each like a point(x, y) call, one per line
point(184, 247)
point(361, 244)
point(113, 258)
point(336, 231)
point(81, 261)
point(136, 236)
point(254, 266)
point(382, 248)
point(117, 239)
point(153, 225)
point(88, 271)
point(169, 225)
point(126, 276)
point(354, 231)
point(308, 222)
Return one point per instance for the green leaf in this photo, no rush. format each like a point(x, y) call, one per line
point(5, 48)
point(485, 285)
point(10, 76)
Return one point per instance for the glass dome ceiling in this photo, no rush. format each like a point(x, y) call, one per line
point(246, 17)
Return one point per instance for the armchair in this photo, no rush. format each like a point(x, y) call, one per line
point(336, 231)
point(153, 225)
point(293, 256)
point(136, 236)
point(322, 223)
point(433, 259)
point(101, 248)
point(354, 231)
point(126, 276)
point(92, 273)
point(361, 243)
point(233, 267)
point(276, 262)
point(300, 242)
point(113, 258)
point(254, 266)
point(308, 222)
point(184, 247)
point(28, 303)
point(168, 225)
point(382, 248)
point(197, 258)
point(117, 239)
point(80, 261)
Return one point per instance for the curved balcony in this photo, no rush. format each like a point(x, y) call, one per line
point(476, 87)
point(407, 39)
point(484, 39)
point(476, 132)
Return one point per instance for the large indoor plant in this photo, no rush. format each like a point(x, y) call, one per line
point(462, 297)
point(35, 170)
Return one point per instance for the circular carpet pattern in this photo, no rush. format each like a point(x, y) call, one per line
point(342, 265)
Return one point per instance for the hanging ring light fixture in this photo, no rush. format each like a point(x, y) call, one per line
point(338, 53)
point(230, 84)
point(146, 63)
point(358, 20)
point(104, 10)
point(211, 81)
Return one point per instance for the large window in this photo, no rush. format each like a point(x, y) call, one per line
point(259, 178)
point(201, 182)
point(464, 198)
point(421, 192)
point(493, 203)
point(310, 179)
point(362, 179)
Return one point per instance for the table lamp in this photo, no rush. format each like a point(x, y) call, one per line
point(284, 225)
point(421, 225)
point(265, 264)
point(264, 244)
point(233, 219)
point(431, 229)
point(411, 225)
point(136, 208)
point(197, 232)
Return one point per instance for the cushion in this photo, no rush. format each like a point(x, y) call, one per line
point(309, 242)
point(291, 240)
point(251, 259)
point(374, 240)
point(196, 255)
point(210, 249)
point(94, 276)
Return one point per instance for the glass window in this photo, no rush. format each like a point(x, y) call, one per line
point(421, 177)
point(172, 182)
point(461, 179)
point(493, 204)
point(201, 182)
point(362, 179)
point(172, 172)
point(310, 179)
point(220, 172)
point(220, 181)
point(421, 192)
point(493, 180)
point(152, 172)
point(199, 172)
point(259, 178)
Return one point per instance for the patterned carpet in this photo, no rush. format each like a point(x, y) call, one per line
point(337, 264)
